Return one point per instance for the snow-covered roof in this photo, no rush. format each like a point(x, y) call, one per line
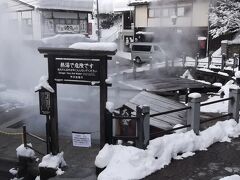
point(73, 5)
point(138, 2)
point(17, 5)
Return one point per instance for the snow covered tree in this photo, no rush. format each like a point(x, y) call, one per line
point(224, 17)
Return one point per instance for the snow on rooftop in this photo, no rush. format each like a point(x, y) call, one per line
point(75, 5)
point(194, 95)
point(25, 151)
point(51, 161)
point(65, 40)
point(126, 162)
point(100, 46)
point(43, 83)
point(139, 1)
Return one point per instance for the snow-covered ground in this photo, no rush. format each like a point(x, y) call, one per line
point(125, 162)
point(220, 107)
point(233, 177)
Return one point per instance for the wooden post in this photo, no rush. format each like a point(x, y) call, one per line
point(234, 105)
point(24, 136)
point(193, 116)
point(109, 127)
point(196, 61)
point(143, 126)
point(223, 61)
point(209, 60)
point(47, 134)
point(166, 62)
point(103, 100)
point(53, 117)
point(184, 60)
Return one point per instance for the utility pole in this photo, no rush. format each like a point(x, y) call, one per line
point(98, 24)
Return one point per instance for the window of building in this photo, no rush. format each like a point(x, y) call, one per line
point(151, 13)
point(27, 25)
point(180, 11)
point(171, 12)
point(165, 12)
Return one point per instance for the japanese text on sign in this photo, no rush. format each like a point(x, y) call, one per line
point(77, 70)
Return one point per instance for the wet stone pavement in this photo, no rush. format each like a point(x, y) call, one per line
point(220, 160)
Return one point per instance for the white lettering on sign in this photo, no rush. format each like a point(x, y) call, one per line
point(81, 139)
point(64, 28)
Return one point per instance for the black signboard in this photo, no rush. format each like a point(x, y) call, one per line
point(68, 69)
point(44, 100)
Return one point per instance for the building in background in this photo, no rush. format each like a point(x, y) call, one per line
point(183, 24)
point(43, 18)
point(126, 34)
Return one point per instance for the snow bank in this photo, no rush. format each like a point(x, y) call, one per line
point(25, 152)
point(220, 107)
point(54, 162)
point(43, 83)
point(126, 162)
point(237, 74)
point(233, 177)
point(100, 46)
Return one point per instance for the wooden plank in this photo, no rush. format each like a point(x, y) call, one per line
point(159, 104)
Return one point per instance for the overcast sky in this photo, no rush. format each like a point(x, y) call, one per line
point(109, 5)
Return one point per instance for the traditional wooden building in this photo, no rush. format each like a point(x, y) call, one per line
point(182, 23)
point(42, 18)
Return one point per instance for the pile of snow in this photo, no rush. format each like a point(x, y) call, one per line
point(50, 161)
point(233, 177)
point(43, 83)
point(187, 75)
point(125, 162)
point(65, 40)
point(100, 46)
point(74, 5)
point(25, 151)
point(194, 95)
point(110, 106)
point(13, 171)
point(220, 107)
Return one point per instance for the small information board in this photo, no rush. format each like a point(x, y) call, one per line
point(45, 102)
point(69, 69)
point(81, 139)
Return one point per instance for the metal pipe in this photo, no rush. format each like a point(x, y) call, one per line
point(171, 111)
point(36, 137)
point(213, 102)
